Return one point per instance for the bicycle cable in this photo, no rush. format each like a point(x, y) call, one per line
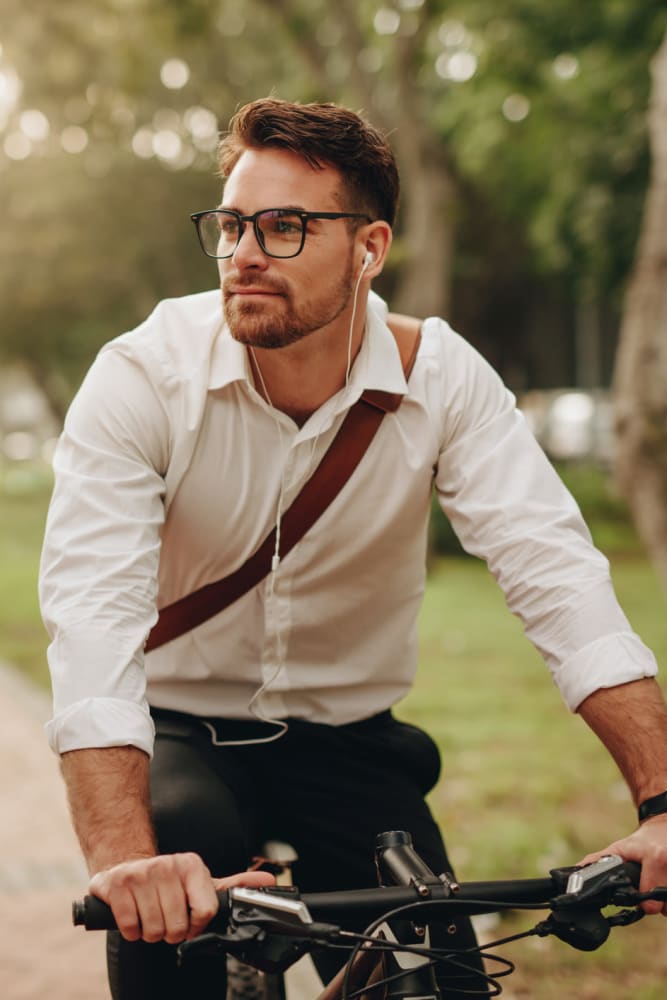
point(437, 955)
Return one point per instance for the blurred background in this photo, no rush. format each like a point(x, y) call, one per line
point(519, 125)
point(532, 141)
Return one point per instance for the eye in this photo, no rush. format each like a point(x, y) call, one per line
point(228, 225)
point(287, 224)
point(284, 224)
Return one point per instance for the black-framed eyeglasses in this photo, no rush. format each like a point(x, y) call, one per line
point(280, 232)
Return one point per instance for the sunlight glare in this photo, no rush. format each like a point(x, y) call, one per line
point(174, 74)
point(73, 139)
point(142, 143)
point(566, 66)
point(167, 144)
point(516, 107)
point(457, 66)
point(386, 21)
point(10, 91)
point(17, 146)
point(34, 124)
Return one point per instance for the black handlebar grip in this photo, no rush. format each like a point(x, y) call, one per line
point(93, 914)
point(96, 915)
point(634, 870)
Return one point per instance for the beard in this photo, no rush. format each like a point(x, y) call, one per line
point(279, 321)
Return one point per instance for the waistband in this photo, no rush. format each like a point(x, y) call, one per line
point(170, 722)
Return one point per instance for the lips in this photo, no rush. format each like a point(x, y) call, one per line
point(250, 288)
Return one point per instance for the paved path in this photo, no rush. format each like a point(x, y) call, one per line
point(42, 956)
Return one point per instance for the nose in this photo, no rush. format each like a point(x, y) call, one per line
point(248, 252)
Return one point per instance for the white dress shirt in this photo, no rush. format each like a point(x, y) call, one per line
point(170, 472)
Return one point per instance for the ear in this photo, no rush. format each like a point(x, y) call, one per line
point(376, 241)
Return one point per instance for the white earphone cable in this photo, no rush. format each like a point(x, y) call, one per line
point(253, 707)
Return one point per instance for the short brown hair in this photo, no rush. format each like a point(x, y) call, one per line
point(323, 134)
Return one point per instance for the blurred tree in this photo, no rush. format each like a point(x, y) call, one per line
point(641, 371)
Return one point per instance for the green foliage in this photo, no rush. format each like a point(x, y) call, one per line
point(604, 511)
point(569, 164)
point(97, 261)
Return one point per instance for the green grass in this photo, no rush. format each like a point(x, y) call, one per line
point(24, 495)
point(525, 786)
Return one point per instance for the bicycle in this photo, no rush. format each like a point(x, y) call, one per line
point(270, 929)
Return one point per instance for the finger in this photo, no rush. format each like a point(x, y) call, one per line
point(174, 907)
point(651, 877)
point(147, 899)
point(133, 901)
point(652, 871)
point(253, 880)
point(126, 914)
point(596, 855)
point(199, 891)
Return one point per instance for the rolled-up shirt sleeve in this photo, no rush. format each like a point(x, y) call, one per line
point(98, 575)
point(509, 507)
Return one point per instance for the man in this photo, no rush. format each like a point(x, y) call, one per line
point(187, 443)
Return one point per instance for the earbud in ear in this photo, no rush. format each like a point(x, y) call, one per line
point(369, 258)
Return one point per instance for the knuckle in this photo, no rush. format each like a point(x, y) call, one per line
point(152, 936)
point(176, 933)
point(163, 864)
point(191, 861)
point(131, 932)
point(204, 913)
point(203, 908)
point(134, 877)
point(128, 925)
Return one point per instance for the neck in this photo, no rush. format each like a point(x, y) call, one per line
point(301, 377)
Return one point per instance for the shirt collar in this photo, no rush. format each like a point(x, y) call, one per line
point(229, 361)
point(378, 364)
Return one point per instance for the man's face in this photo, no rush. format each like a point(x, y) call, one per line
point(272, 302)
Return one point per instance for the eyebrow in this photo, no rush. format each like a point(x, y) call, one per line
point(269, 208)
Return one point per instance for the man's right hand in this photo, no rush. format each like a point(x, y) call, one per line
point(169, 897)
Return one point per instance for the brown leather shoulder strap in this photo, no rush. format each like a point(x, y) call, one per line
point(407, 333)
point(406, 329)
point(343, 456)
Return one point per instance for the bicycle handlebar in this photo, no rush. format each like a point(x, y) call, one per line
point(470, 898)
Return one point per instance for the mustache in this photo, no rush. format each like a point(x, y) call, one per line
point(232, 284)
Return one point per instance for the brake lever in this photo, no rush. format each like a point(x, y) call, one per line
point(264, 942)
point(608, 880)
point(625, 917)
point(219, 944)
point(312, 932)
point(576, 916)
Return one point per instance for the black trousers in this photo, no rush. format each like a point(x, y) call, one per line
point(327, 790)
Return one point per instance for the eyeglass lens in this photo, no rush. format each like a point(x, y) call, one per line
point(280, 232)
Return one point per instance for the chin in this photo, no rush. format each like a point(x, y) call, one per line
point(256, 332)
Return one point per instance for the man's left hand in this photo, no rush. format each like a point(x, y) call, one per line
point(648, 846)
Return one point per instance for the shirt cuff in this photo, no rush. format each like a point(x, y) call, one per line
point(607, 662)
point(101, 722)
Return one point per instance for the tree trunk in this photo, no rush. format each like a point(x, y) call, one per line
point(640, 381)
point(428, 233)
